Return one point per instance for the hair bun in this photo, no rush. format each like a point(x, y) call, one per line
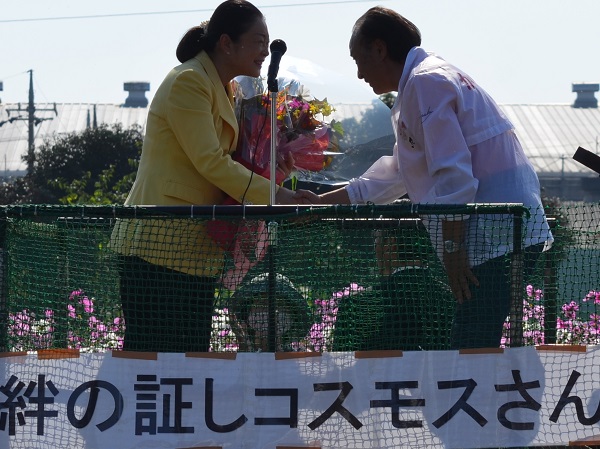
point(192, 42)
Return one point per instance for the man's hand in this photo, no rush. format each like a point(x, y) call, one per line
point(460, 275)
point(307, 197)
point(287, 196)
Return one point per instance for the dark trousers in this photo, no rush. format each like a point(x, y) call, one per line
point(165, 310)
point(478, 323)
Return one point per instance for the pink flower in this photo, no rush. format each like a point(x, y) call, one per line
point(593, 296)
point(94, 325)
point(71, 309)
point(570, 310)
point(538, 313)
point(75, 294)
point(319, 333)
point(118, 324)
point(535, 336)
point(88, 304)
point(20, 323)
point(352, 288)
point(561, 324)
point(74, 340)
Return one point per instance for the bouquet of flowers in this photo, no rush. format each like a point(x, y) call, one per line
point(301, 131)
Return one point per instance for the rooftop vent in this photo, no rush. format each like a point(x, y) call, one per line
point(585, 95)
point(137, 94)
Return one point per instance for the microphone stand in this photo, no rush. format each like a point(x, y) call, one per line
point(272, 225)
point(273, 110)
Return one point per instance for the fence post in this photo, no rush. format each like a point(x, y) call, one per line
point(3, 287)
point(272, 229)
point(550, 290)
point(516, 283)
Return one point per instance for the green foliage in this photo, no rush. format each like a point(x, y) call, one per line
point(388, 99)
point(338, 127)
point(107, 189)
point(94, 166)
point(371, 123)
point(14, 191)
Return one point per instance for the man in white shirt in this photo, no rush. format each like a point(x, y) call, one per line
point(453, 146)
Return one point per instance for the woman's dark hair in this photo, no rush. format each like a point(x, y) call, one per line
point(398, 33)
point(232, 17)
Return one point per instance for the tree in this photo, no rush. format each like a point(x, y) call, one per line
point(14, 191)
point(389, 99)
point(373, 123)
point(94, 166)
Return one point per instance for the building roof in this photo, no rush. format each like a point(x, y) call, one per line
point(67, 118)
point(549, 133)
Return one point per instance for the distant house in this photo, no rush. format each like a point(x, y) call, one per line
point(550, 134)
point(62, 118)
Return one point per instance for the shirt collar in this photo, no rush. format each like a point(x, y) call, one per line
point(415, 56)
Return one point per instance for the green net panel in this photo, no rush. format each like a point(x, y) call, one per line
point(175, 280)
point(230, 279)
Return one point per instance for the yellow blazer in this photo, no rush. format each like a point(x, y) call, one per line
point(191, 132)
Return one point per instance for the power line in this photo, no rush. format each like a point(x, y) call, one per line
point(103, 16)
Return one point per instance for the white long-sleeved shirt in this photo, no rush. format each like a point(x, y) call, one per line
point(454, 146)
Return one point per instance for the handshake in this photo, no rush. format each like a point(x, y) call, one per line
point(301, 196)
point(287, 196)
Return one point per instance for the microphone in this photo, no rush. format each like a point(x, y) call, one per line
point(278, 48)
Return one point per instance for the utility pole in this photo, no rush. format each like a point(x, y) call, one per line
point(32, 120)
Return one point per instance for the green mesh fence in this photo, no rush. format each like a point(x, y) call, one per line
point(179, 280)
point(282, 279)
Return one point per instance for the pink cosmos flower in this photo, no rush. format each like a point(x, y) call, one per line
point(570, 310)
point(20, 323)
point(88, 304)
point(319, 333)
point(75, 294)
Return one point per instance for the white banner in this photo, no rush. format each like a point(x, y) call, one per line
point(433, 399)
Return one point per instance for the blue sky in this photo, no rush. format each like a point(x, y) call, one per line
point(521, 51)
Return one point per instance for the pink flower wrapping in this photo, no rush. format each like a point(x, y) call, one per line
point(300, 134)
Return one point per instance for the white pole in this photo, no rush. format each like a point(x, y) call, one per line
point(273, 96)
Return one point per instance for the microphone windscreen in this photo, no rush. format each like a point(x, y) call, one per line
point(278, 46)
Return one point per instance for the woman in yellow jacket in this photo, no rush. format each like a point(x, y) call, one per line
point(169, 267)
